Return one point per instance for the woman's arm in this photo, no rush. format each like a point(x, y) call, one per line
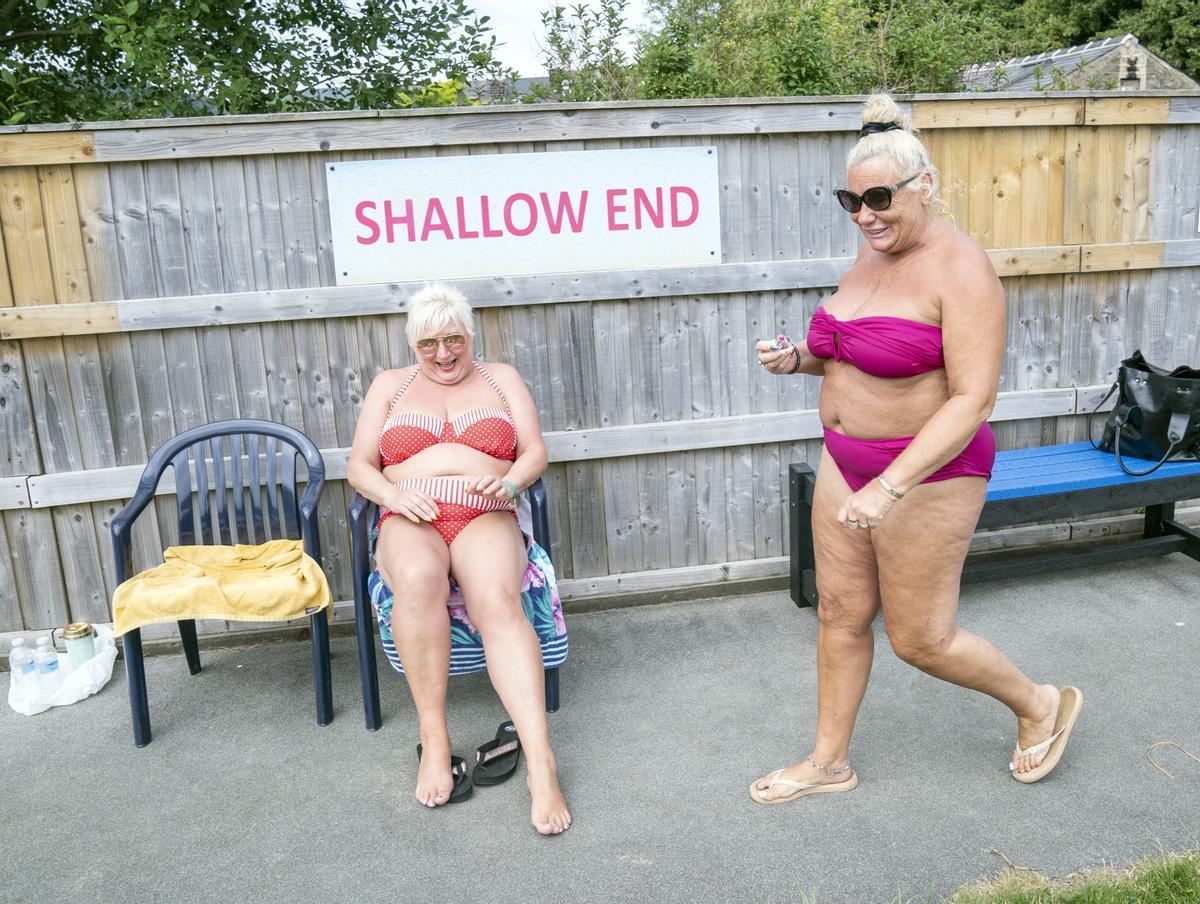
point(973, 332)
point(365, 472)
point(531, 450)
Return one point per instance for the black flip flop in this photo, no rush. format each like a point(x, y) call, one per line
point(496, 761)
point(463, 785)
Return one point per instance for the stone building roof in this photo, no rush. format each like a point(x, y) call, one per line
point(1121, 60)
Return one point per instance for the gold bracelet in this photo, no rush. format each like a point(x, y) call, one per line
point(887, 488)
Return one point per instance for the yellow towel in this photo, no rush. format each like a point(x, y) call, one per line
point(273, 581)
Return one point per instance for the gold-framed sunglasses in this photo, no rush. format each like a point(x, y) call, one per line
point(453, 342)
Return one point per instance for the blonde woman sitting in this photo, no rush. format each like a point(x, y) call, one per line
point(443, 448)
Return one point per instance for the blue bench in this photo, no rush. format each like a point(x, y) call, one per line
point(1031, 485)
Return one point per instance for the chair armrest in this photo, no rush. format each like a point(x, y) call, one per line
point(122, 525)
point(539, 511)
point(361, 513)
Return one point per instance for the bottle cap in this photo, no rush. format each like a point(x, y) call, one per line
point(77, 630)
point(43, 640)
point(18, 641)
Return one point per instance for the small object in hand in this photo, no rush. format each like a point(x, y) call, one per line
point(781, 341)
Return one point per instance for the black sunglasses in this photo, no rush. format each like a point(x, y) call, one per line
point(877, 198)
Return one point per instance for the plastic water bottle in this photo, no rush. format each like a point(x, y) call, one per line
point(46, 658)
point(20, 660)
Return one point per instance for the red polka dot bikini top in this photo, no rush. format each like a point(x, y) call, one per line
point(489, 430)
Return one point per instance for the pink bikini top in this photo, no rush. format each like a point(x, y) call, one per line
point(887, 347)
point(487, 429)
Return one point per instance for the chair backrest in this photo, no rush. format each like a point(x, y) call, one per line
point(236, 481)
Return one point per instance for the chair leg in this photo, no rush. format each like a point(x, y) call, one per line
point(321, 673)
point(191, 649)
point(552, 690)
point(135, 674)
point(365, 630)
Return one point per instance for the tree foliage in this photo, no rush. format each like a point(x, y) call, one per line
point(582, 53)
point(731, 48)
point(765, 47)
point(114, 59)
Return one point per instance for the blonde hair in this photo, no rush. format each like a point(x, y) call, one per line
point(433, 309)
point(902, 145)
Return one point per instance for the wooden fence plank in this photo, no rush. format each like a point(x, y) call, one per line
point(18, 440)
point(582, 446)
point(1123, 256)
point(267, 305)
point(1119, 111)
point(46, 148)
point(198, 215)
point(988, 113)
point(87, 570)
point(239, 136)
point(37, 570)
point(10, 610)
point(101, 249)
point(14, 493)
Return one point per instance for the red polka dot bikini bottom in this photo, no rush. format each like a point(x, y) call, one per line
point(457, 506)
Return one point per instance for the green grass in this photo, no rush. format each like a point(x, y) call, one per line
point(1165, 879)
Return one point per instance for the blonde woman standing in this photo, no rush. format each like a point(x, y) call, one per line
point(909, 351)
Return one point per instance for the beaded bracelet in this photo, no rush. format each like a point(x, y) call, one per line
point(796, 366)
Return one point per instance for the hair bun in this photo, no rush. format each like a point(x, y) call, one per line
point(883, 109)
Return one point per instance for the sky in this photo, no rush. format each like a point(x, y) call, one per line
point(518, 28)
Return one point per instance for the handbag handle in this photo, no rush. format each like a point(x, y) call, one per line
point(1093, 413)
point(1175, 439)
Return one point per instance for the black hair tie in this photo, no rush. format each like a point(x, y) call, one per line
point(870, 128)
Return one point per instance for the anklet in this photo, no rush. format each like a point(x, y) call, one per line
point(828, 770)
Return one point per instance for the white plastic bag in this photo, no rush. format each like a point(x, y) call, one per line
point(76, 683)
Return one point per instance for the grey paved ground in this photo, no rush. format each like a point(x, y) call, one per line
point(668, 713)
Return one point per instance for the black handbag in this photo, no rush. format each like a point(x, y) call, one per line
point(1157, 417)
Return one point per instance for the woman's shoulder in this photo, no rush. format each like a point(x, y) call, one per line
point(964, 248)
point(390, 380)
point(503, 373)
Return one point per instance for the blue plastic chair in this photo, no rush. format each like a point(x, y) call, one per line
point(213, 521)
point(362, 515)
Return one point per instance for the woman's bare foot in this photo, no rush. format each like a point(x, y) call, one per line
point(803, 772)
point(434, 781)
point(1036, 728)
point(549, 809)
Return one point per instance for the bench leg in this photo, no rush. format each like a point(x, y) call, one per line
point(1155, 516)
point(1192, 538)
point(803, 562)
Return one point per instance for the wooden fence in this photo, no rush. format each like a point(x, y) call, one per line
point(157, 275)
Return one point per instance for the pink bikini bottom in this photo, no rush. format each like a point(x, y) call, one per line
point(862, 460)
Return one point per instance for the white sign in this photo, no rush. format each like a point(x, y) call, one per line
point(500, 215)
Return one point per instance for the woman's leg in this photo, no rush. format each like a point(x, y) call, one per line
point(849, 600)
point(414, 561)
point(920, 547)
point(488, 560)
